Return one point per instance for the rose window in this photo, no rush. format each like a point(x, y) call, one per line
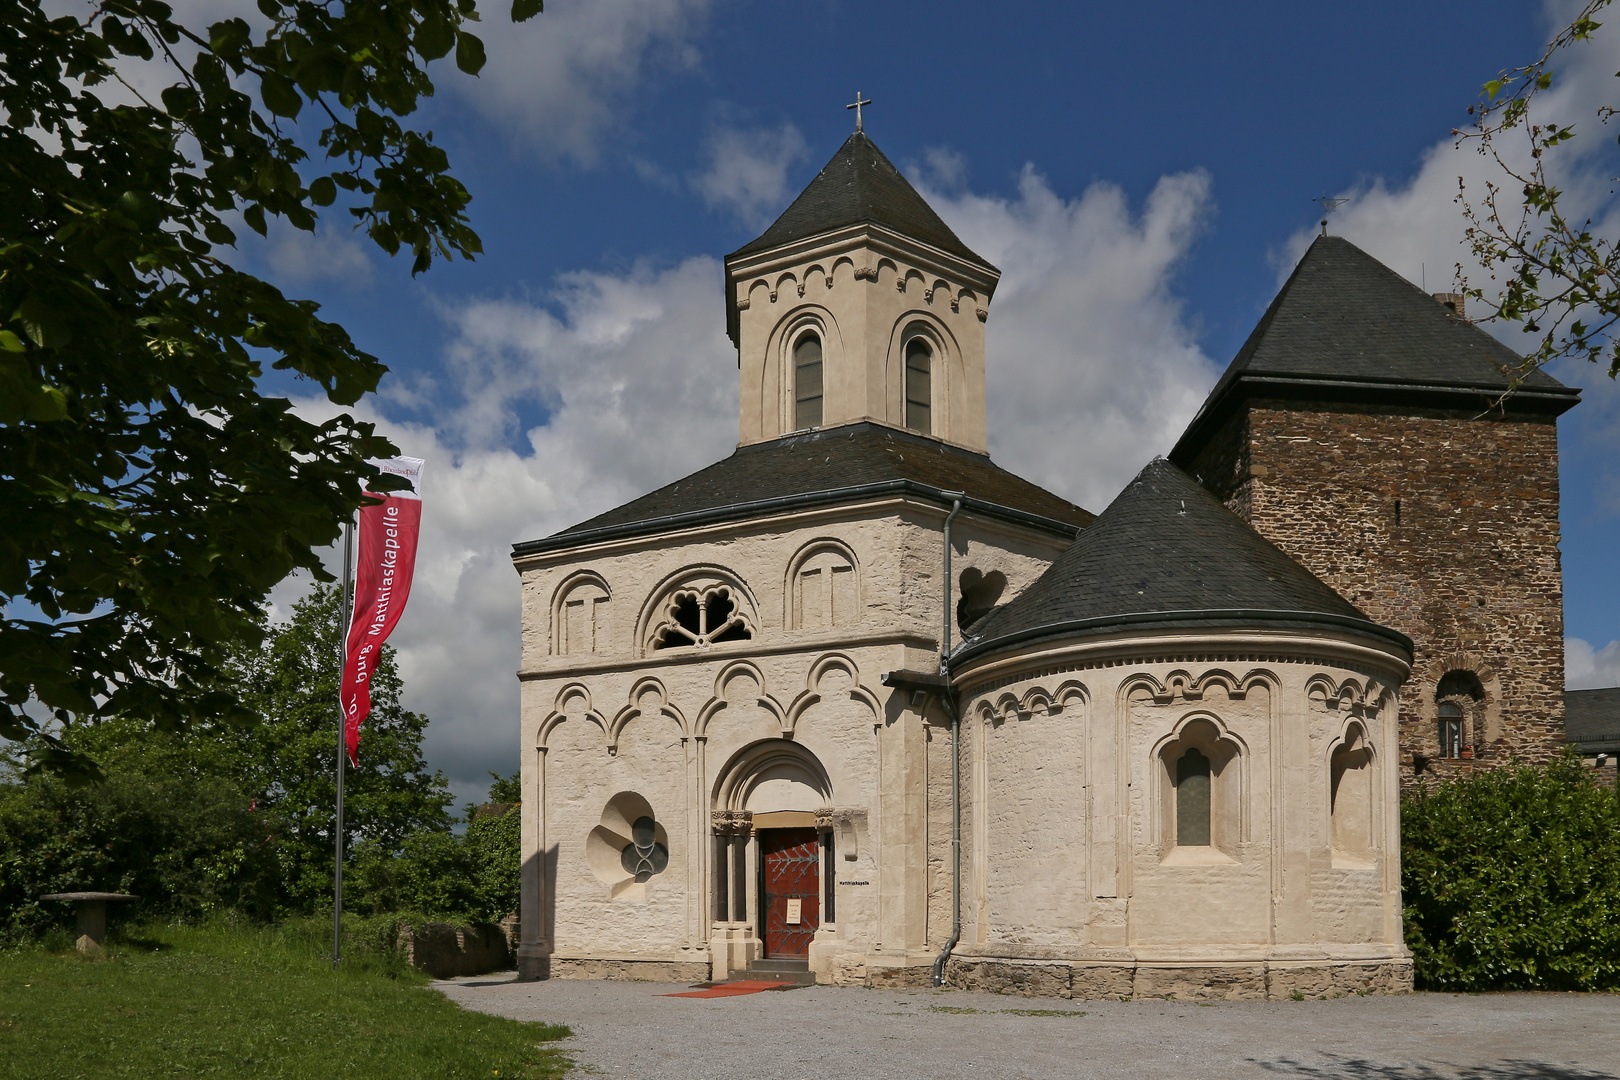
point(694, 618)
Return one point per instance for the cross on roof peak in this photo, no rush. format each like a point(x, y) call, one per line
point(1328, 206)
point(859, 101)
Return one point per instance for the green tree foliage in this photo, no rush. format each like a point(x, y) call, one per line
point(237, 817)
point(286, 757)
point(474, 877)
point(494, 840)
point(150, 493)
point(1559, 277)
point(1511, 880)
point(168, 824)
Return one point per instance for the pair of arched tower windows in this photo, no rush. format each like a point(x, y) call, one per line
point(808, 383)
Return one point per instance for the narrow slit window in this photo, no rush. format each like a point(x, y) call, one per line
point(807, 382)
point(1451, 730)
point(919, 386)
point(1192, 800)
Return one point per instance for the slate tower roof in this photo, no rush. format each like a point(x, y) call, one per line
point(859, 186)
point(1345, 327)
point(1167, 554)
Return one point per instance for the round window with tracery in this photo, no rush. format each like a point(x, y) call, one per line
point(644, 856)
point(693, 617)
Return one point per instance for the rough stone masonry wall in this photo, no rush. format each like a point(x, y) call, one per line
point(1467, 566)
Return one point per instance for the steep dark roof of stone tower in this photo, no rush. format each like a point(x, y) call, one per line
point(860, 185)
point(845, 464)
point(1166, 553)
point(1347, 327)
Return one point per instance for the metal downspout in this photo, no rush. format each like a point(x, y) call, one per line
point(947, 697)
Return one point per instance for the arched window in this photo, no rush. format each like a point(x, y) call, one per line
point(1451, 730)
point(1192, 800)
point(694, 618)
point(919, 386)
point(807, 382)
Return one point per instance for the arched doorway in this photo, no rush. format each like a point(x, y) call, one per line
point(770, 857)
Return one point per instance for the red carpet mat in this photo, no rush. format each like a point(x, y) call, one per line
point(733, 989)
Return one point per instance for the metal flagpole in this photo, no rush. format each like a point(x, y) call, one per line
point(342, 744)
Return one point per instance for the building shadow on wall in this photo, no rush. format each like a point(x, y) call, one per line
point(548, 901)
point(1344, 1068)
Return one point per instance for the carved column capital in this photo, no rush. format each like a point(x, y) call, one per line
point(733, 822)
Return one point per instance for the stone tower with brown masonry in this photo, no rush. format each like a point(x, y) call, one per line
point(1367, 429)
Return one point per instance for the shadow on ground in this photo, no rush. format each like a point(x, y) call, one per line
point(1341, 1068)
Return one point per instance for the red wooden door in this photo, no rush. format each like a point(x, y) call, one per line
point(790, 864)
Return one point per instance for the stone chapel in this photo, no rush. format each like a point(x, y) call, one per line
point(857, 705)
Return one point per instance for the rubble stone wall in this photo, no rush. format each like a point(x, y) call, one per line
point(1441, 525)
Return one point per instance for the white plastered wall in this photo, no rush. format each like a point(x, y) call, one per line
point(665, 723)
point(866, 292)
point(1071, 817)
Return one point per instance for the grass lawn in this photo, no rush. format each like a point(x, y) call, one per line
point(181, 1002)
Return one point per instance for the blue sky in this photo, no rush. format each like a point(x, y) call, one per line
point(1144, 176)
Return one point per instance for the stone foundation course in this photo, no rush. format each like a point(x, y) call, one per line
point(1226, 982)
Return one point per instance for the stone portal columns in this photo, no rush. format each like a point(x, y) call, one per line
point(732, 942)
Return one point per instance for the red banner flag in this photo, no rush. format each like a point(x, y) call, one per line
point(386, 558)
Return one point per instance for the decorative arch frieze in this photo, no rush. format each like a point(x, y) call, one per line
point(647, 698)
point(1035, 701)
point(726, 697)
point(1354, 696)
point(782, 282)
point(816, 689)
point(1182, 685)
point(572, 701)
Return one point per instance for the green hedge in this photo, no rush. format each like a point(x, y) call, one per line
point(1511, 880)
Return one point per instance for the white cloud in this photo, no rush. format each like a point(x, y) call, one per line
point(1092, 366)
point(639, 382)
point(299, 257)
point(561, 79)
point(942, 169)
point(1586, 668)
point(746, 171)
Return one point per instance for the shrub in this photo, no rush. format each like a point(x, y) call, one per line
point(1512, 880)
point(183, 839)
point(494, 843)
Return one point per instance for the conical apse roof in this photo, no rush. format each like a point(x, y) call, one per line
point(1166, 553)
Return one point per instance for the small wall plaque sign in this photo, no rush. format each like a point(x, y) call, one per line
point(795, 911)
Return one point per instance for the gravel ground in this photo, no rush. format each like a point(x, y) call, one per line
point(627, 1030)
